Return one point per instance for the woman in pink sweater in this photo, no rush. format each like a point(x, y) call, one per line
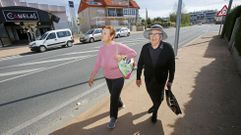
point(107, 58)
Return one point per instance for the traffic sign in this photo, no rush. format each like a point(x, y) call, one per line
point(223, 11)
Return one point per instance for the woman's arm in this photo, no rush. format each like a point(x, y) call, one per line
point(140, 65)
point(126, 51)
point(95, 69)
point(171, 65)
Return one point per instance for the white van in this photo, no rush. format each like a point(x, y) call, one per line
point(52, 39)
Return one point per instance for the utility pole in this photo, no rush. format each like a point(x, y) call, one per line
point(178, 22)
point(146, 19)
point(229, 6)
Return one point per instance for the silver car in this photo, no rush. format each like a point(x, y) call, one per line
point(123, 31)
point(91, 35)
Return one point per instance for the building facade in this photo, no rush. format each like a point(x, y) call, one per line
point(206, 16)
point(22, 22)
point(97, 13)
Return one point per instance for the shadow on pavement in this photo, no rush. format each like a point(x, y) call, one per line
point(124, 126)
point(214, 108)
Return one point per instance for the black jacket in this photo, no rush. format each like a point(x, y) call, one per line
point(165, 65)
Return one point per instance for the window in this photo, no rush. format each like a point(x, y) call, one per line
point(67, 33)
point(111, 12)
point(119, 12)
point(97, 31)
point(63, 34)
point(51, 36)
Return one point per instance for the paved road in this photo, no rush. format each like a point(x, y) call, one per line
point(40, 89)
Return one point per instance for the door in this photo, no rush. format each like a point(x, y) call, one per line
point(51, 40)
point(97, 34)
point(22, 34)
point(62, 37)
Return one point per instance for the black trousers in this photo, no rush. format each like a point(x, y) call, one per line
point(115, 86)
point(156, 93)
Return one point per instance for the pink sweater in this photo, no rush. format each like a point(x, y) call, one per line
point(106, 59)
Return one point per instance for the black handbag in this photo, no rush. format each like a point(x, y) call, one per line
point(172, 102)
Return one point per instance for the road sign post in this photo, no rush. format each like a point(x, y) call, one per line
point(222, 13)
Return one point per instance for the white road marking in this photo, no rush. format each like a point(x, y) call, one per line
point(62, 64)
point(47, 113)
point(19, 72)
point(79, 52)
point(49, 61)
point(10, 57)
point(43, 62)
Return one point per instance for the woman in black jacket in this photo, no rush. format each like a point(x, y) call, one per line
point(158, 60)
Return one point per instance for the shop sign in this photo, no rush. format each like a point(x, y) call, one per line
point(11, 16)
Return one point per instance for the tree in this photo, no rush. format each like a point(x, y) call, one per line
point(149, 22)
point(185, 17)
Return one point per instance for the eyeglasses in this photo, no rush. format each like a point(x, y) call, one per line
point(154, 34)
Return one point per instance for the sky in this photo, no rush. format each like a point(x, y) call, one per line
point(162, 8)
point(159, 8)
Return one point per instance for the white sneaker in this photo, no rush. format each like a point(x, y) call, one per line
point(122, 107)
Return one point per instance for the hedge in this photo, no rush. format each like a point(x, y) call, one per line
point(230, 21)
point(229, 25)
point(238, 39)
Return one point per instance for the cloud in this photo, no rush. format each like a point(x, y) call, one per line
point(154, 13)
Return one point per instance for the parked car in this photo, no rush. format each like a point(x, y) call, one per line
point(121, 32)
point(91, 35)
point(53, 39)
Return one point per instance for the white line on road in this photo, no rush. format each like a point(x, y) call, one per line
point(62, 64)
point(43, 62)
point(19, 72)
point(79, 52)
point(10, 57)
point(49, 61)
point(47, 113)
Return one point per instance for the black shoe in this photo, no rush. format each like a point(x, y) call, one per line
point(151, 110)
point(154, 118)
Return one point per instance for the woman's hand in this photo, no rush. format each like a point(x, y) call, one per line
point(169, 85)
point(119, 57)
point(91, 82)
point(138, 83)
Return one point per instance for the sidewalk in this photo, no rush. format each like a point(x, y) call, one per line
point(206, 84)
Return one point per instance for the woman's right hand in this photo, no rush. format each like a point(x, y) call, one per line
point(91, 82)
point(138, 83)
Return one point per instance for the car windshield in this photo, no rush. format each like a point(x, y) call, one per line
point(43, 36)
point(118, 29)
point(90, 31)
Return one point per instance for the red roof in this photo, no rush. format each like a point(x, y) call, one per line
point(104, 3)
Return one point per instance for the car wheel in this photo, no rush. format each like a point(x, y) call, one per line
point(69, 44)
point(92, 40)
point(33, 50)
point(118, 36)
point(42, 48)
